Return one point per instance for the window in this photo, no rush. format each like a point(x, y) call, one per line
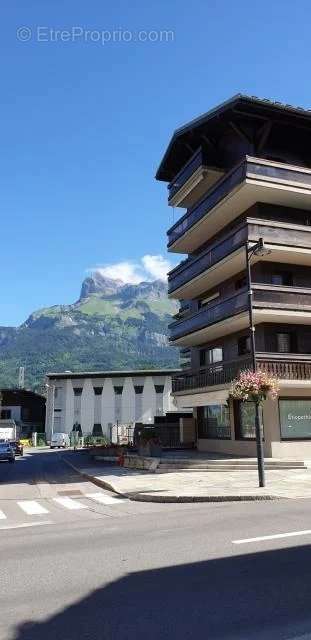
point(97, 429)
point(245, 420)
point(77, 391)
point(214, 422)
point(210, 356)
point(159, 388)
point(139, 388)
point(295, 419)
point(77, 428)
point(284, 342)
point(244, 345)
point(6, 414)
point(98, 391)
point(205, 301)
point(118, 391)
point(241, 283)
point(284, 278)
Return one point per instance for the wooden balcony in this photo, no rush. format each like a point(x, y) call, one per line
point(253, 180)
point(271, 303)
point(283, 366)
point(289, 243)
point(208, 316)
point(192, 181)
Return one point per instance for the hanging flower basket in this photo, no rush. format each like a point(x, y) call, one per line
point(254, 386)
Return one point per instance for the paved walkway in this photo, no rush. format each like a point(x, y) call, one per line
point(194, 487)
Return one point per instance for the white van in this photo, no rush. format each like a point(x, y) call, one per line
point(60, 440)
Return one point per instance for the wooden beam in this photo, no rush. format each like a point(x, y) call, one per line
point(264, 134)
point(240, 132)
point(189, 147)
point(208, 141)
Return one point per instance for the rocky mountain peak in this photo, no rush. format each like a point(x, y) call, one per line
point(98, 283)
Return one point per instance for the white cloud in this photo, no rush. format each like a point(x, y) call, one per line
point(156, 266)
point(147, 269)
point(125, 271)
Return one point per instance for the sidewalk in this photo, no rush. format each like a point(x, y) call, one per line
point(193, 487)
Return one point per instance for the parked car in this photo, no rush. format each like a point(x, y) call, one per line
point(7, 452)
point(18, 447)
point(60, 441)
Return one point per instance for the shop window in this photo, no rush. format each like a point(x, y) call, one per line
point(244, 345)
point(214, 422)
point(295, 418)
point(245, 420)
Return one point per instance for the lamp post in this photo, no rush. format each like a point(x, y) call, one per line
point(257, 249)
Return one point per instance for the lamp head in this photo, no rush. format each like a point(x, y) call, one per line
point(261, 249)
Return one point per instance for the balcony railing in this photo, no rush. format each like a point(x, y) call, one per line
point(285, 235)
point(196, 161)
point(284, 367)
point(192, 267)
point(249, 168)
point(218, 373)
point(209, 315)
point(291, 367)
point(272, 296)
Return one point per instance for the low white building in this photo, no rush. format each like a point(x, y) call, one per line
point(96, 401)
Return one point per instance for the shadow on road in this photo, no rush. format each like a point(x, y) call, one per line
point(40, 466)
point(263, 595)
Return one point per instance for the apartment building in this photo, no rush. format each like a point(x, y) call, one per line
point(242, 172)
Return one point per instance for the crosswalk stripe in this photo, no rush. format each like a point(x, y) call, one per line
point(104, 499)
point(31, 507)
point(2, 515)
point(69, 503)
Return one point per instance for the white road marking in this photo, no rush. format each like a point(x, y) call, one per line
point(24, 525)
point(290, 534)
point(104, 499)
point(2, 515)
point(69, 503)
point(31, 507)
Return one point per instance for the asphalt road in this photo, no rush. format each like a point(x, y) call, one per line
point(109, 569)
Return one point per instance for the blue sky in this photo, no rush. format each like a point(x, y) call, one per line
point(84, 125)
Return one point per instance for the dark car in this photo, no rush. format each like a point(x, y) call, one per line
point(7, 452)
point(17, 447)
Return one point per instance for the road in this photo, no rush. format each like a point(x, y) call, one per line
point(78, 563)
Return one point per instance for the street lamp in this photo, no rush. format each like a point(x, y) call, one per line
point(258, 249)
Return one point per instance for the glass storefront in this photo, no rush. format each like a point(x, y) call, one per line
point(245, 420)
point(295, 418)
point(214, 422)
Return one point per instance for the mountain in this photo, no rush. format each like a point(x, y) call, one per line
point(112, 325)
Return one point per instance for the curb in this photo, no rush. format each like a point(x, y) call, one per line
point(145, 497)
